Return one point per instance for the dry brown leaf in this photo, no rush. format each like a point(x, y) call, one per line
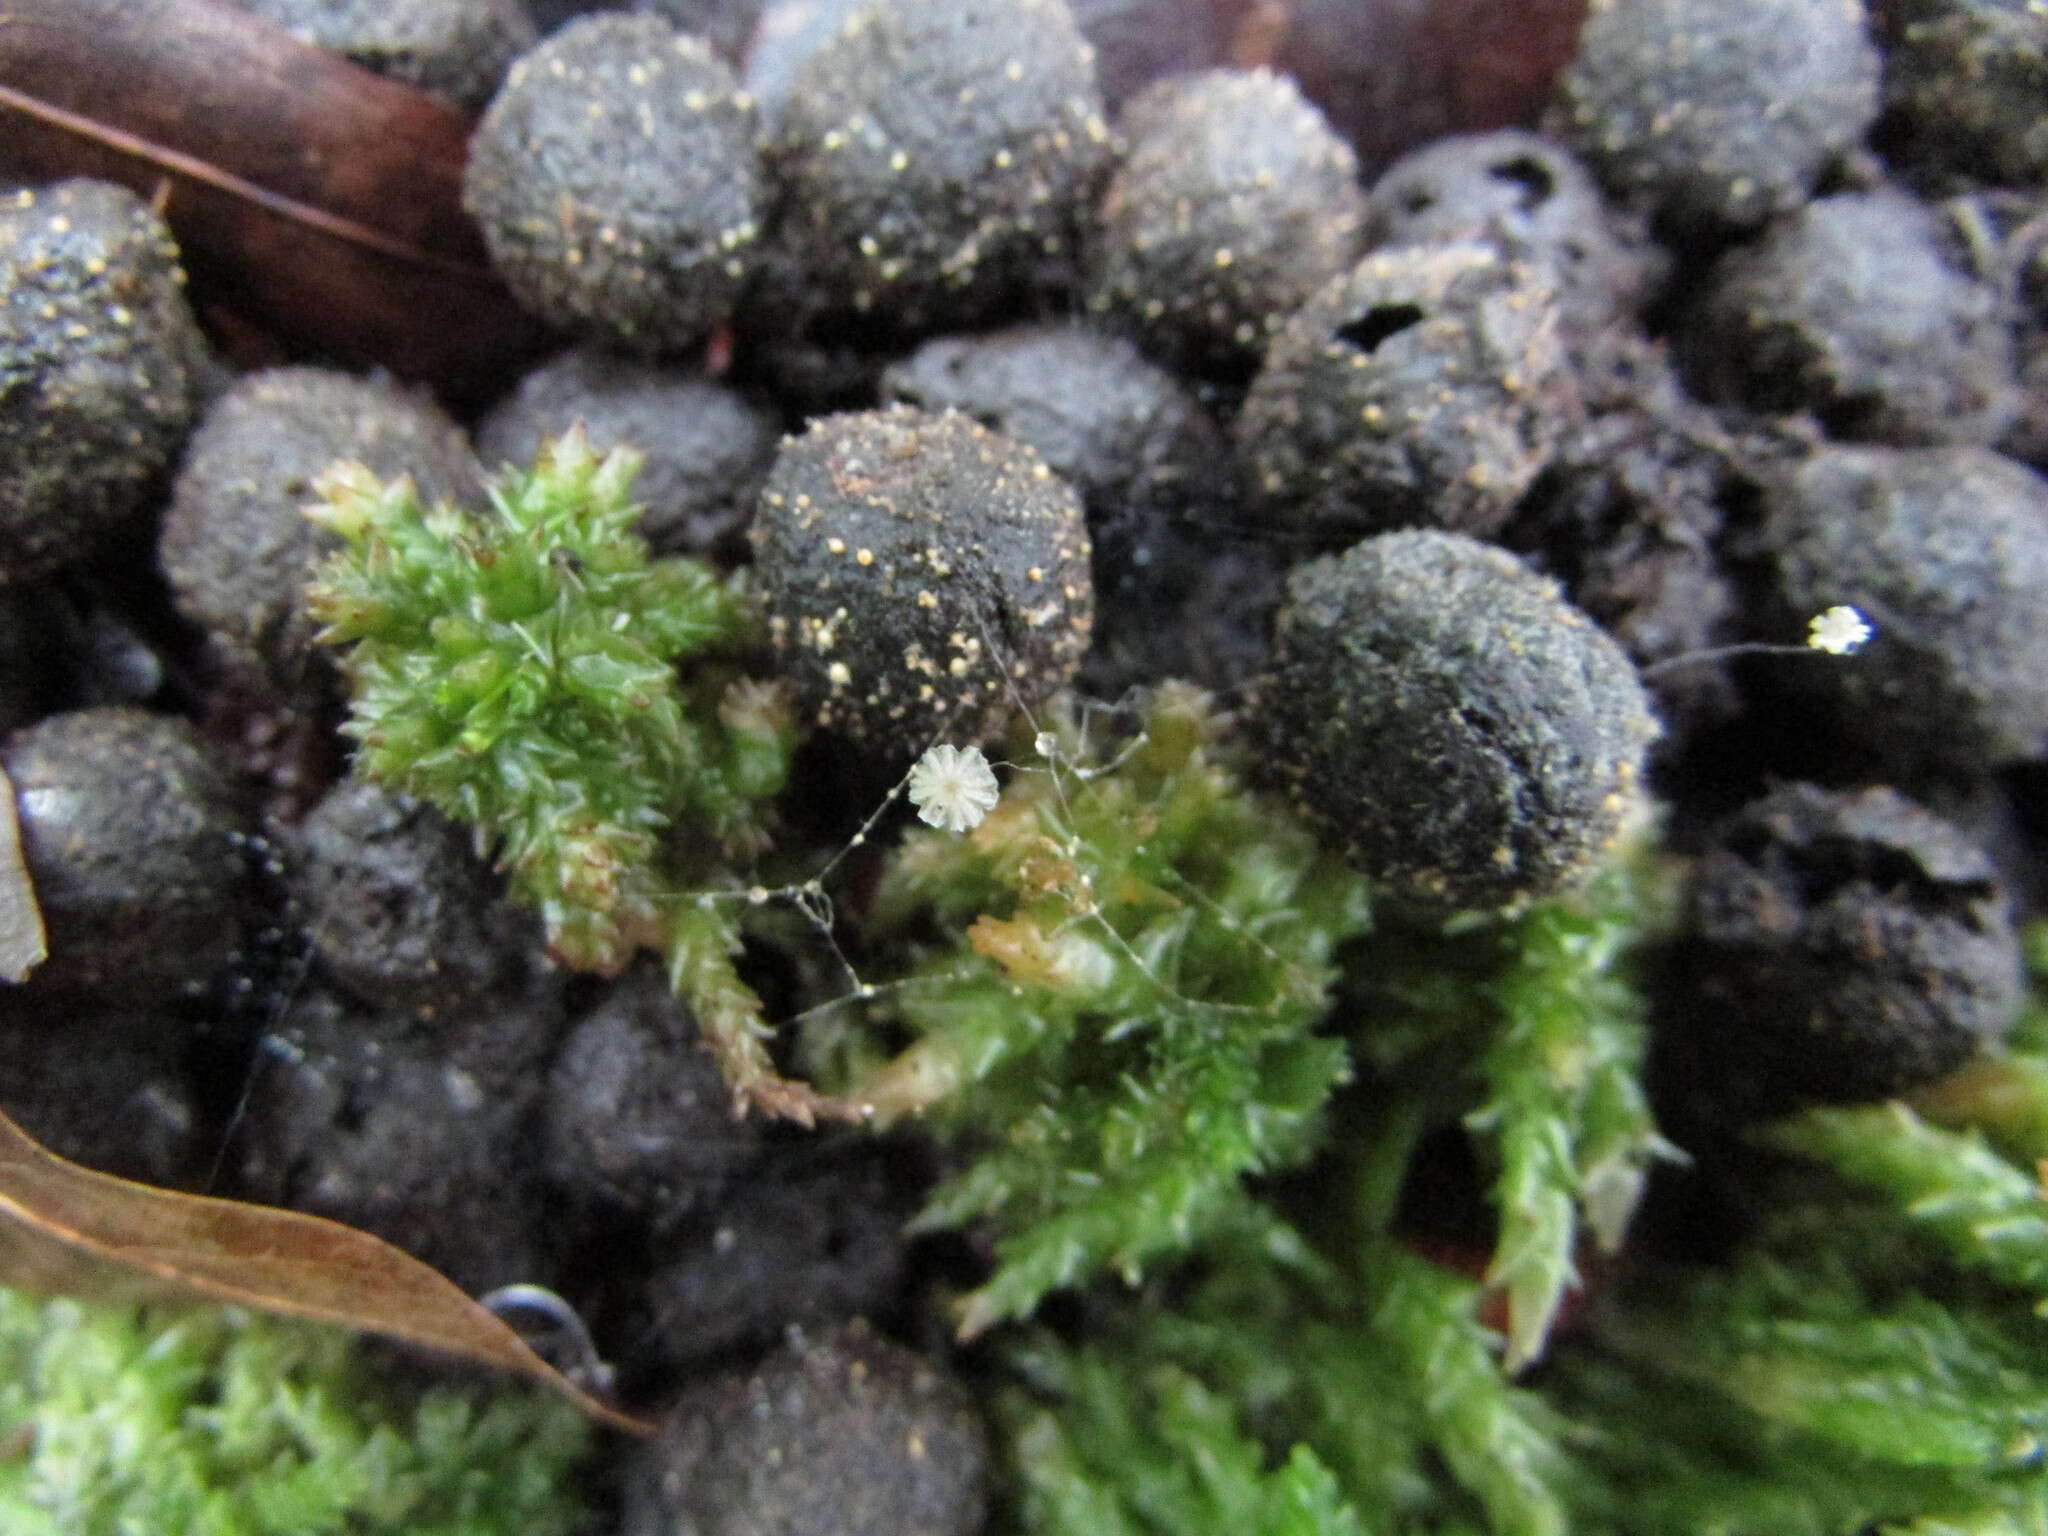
point(72, 1231)
point(23, 946)
point(1021, 947)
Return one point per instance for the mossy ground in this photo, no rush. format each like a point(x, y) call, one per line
point(213, 1422)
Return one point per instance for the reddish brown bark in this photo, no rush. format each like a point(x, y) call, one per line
point(320, 201)
point(1393, 74)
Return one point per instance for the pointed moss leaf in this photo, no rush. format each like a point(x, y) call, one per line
point(1836, 1374)
point(1912, 1388)
point(1155, 1453)
point(1565, 1115)
point(1167, 1158)
point(1495, 1438)
point(1990, 1214)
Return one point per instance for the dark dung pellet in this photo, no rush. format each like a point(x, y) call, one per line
point(106, 1087)
point(134, 836)
point(236, 544)
point(1120, 429)
point(1862, 309)
point(704, 449)
point(1233, 203)
point(1528, 195)
point(457, 50)
point(932, 159)
point(922, 575)
point(371, 1120)
point(1448, 722)
point(1945, 552)
point(1848, 946)
point(1424, 387)
point(401, 911)
point(618, 183)
point(793, 344)
point(1718, 113)
point(1152, 468)
point(842, 1434)
point(813, 1235)
point(637, 1117)
point(100, 366)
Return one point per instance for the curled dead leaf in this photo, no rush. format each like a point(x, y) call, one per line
point(72, 1231)
point(1020, 946)
point(23, 945)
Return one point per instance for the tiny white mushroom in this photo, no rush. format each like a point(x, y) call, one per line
point(1840, 631)
point(953, 788)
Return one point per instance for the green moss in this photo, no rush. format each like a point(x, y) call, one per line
point(1376, 1378)
point(1989, 1213)
point(1334, 1338)
point(117, 1420)
point(519, 670)
point(1871, 1358)
point(1127, 1010)
point(1163, 1460)
point(1120, 1008)
point(1836, 1376)
point(1565, 1121)
point(1839, 1376)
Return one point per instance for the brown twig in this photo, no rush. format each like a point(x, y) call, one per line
point(177, 163)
